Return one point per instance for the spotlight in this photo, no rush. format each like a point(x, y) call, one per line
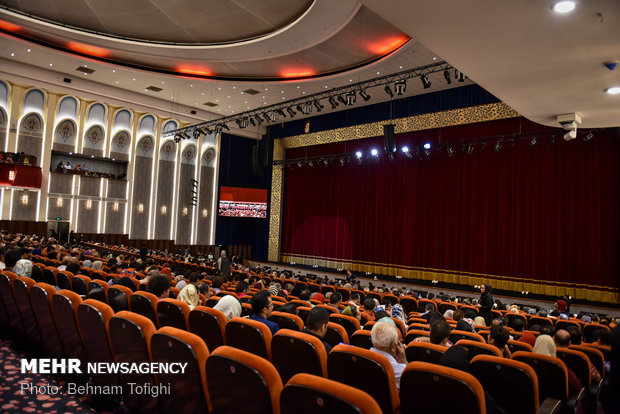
point(350, 98)
point(513, 143)
point(375, 154)
point(498, 145)
point(333, 102)
point(427, 145)
point(281, 113)
point(326, 162)
point(552, 141)
point(259, 120)
point(306, 108)
point(310, 164)
point(184, 135)
point(273, 116)
point(588, 137)
point(470, 149)
point(483, 145)
point(318, 106)
point(459, 76)
point(300, 164)
point(427, 152)
point(196, 133)
point(358, 155)
point(450, 151)
point(177, 138)
point(417, 154)
point(533, 142)
point(364, 95)
point(266, 117)
point(342, 162)
point(388, 90)
point(252, 121)
point(242, 122)
point(446, 74)
point(572, 134)
point(405, 150)
point(291, 111)
point(425, 82)
point(218, 129)
point(400, 87)
point(341, 99)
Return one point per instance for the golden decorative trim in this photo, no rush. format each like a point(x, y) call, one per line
point(453, 117)
point(544, 287)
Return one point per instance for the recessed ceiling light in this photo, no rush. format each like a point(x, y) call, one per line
point(191, 86)
point(234, 87)
point(378, 73)
point(51, 64)
point(614, 90)
point(401, 66)
point(12, 54)
point(434, 58)
point(564, 6)
point(297, 86)
point(163, 83)
point(134, 78)
point(28, 50)
point(116, 81)
point(325, 86)
point(219, 89)
point(85, 65)
point(266, 89)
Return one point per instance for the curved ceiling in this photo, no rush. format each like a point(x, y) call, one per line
point(180, 21)
point(278, 41)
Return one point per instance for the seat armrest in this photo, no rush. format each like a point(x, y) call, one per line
point(550, 406)
point(574, 403)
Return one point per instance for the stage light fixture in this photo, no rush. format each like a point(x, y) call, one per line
point(342, 162)
point(350, 98)
point(341, 99)
point(375, 153)
point(252, 121)
point(281, 113)
point(427, 145)
point(459, 76)
point(326, 162)
point(427, 152)
point(483, 145)
point(450, 150)
point(259, 120)
point(364, 95)
point(358, 155)
point(225, 126)
point(300, 164)
point(588, 137)
point(310, 163)
point(291, 111)
point(388, 90)
point(425, 81)
point(218, 128)
point(273, 116)
point(306, 108)
point(405, 150)
point(533, 142)
point(318, 105)
point(498, 146)
point(400, 86)
point(333, 102)
point(513, 143)
point(470, 148)
point(177, 138)
point(266, 117)
point(446, 75)
point(196, 133)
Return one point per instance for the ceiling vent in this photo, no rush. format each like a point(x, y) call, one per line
point(210, 104)
point(85, 70)
point(154, 89)
point(251, 91)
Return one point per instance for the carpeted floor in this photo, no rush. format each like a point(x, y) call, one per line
point(14, 400)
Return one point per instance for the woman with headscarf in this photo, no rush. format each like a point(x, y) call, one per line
point(223, 264)
point(485, 303)
point(189, 295)
point(229, 306)
point(479, 321)
point(545, 345)
point(399, 313)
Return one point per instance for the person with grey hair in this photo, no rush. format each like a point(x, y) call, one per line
point(23, 267)
point(97, 265)
point(223, 264)
point(385, 341)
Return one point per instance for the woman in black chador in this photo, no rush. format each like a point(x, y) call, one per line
point(486, 303)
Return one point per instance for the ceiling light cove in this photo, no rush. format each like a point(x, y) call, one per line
point(388, 45)
point(193, 70)
point(88, 49)
point(297, 73)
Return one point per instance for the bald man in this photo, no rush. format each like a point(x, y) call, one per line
point(562, 340)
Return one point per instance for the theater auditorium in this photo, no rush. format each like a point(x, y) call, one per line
point(310, 206)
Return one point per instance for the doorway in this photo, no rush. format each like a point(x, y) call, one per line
point(59, 229)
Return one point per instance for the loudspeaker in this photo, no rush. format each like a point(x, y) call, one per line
point(256, 169)
point(388, 140)
point(267, 149)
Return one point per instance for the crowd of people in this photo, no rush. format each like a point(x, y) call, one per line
point(17, 158)
point(196, 279)
point(81, 169)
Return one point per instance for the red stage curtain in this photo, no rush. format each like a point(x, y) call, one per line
point(23, 175)
point(548, 212)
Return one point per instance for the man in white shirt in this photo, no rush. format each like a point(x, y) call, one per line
point(386, 342)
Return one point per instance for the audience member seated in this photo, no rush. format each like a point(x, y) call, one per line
point(262, 306)
point(545, 345)
point(385, 341)
point(189, 295)
point(440, 332)
point(316, 325)
point(499, 337)
point(563, 340)
point(159, 285)
point(229, 306)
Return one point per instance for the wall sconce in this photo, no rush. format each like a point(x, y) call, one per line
point(89, 204)
point(115, 206)
point(184, 211)
point(205, 212)
point(24, 199)
point(11, 175)
point(59, 202)
point(164, 210)
point(140, 208)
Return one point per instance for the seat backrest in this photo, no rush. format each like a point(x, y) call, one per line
point(188, 392)
point(478, 348)
point(409, 304)
point(79, 284)
point(552, 374)
point(336, 334)
point(589, 329)
point(145, 304)
point(415, 333)
point(93, 318)
point(349, 323)
point(444, 306)
point(295, 352)
point(118, 297)
point(303, 311)
point(540, 321)
point(6, 293)
point(287, 320)
point(596, 356)
point(366, 370)
point(456, 335)
point(65, 304)
point(431, 388)
point(515, 346)
point(21, 286)
point(578, 362)
point(310, 394)
point(130, 337)
point(172, 312)
point(605, 350)
point(249, 335)
point(209, 324)
point(40, 299)
point(63, 279)
point(512, 384)
point(361, 338)
point(49, 275)
point(424, 351)
point(231, 367)
point(423, 302)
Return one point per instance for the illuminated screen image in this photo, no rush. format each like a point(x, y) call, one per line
point(243, 202)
